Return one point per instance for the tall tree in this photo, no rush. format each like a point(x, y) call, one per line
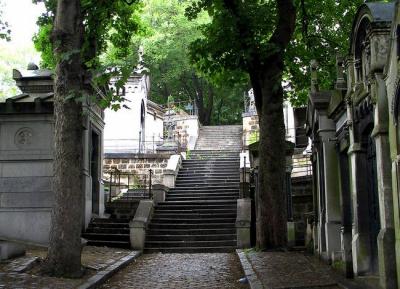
point(64, 255)
point(78, 32)
point(252, 36)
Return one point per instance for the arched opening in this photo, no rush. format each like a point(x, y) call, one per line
point(368, 144)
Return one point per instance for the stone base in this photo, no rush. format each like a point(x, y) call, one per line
point(387, 259)
point(291, 233)
point(10, 250)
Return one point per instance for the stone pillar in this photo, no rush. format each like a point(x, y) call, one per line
point(243, 223)
point(87, 180)
point(386, 237)
point(138, 224)
point(331, 184)
point(360, 236)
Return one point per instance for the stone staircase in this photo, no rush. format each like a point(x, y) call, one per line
point(111, 232)
point(199, 214)
point(114, 231)
point(224, 137)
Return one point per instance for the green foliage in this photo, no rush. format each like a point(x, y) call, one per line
point(105, 23)
point(234, 37)
point(12, 57)
point(4, 28)
point(322, 31)
point(165, 36)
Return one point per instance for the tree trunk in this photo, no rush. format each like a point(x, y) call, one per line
point(271, 209)
point(266, 79)
point(64, 253)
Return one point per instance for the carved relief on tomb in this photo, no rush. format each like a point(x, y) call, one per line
point(23, 138)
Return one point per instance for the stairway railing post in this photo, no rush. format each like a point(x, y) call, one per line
point(243, 177)
point(110, 191)
point(150, 174)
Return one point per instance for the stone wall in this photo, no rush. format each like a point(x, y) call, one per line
point(302, 203)
point(138, 164)
point(250, 128)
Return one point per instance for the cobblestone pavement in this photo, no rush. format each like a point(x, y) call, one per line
point(179, 271)
point(93, 258)
point(291, 270)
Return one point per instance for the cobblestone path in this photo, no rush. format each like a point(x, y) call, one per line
point(177, 271)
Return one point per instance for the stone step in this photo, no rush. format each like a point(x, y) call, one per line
point(205, 188)
point(207, 182)
point(186, 215)
point(175, 232)
point(106, 237)
point(101, 230)
point(172, 250)
point(200, 194)
point(180, 220)
point(200, 211)
point(193, 198)
point(169, 206)
point(228, 184)
point(202, 244)
point(212, 176)
point(202, 174)
point(111, 220)
point(185, 238)
point(114, 244)
point(203, 203)
point(191, 171)
point(154, 226)
point(213, 161)
point(108, 225)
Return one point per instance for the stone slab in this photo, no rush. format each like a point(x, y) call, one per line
point(251, 276)
point(10, 250)
point(105, 274)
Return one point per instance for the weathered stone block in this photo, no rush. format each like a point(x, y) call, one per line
point(10, 250)
point(243, 223)
point(139, 224)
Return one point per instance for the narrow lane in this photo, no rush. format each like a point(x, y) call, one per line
point(177, 271)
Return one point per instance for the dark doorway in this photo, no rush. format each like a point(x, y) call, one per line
point(94, 171)
point(347, 214)
point(373, 199)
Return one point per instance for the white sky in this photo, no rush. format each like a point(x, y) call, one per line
point(21, 16)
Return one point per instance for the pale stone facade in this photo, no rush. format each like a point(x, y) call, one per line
point(354, 133)
point(26, 159)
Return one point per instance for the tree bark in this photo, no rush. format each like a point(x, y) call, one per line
point(271, 206)
point(64, 253)
point(266, 78)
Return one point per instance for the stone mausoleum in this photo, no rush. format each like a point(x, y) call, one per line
point(355, 143)
point(26, 159)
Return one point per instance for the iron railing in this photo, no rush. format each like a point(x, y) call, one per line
point(139, 146)
point(296, 135)
point(128, 186)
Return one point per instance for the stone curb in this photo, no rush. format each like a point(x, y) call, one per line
point(26, 266)
point(251, 276)
point(105, 274)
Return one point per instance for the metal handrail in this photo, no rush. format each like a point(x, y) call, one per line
point(144, 182)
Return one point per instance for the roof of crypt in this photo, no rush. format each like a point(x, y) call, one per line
point(379, 13)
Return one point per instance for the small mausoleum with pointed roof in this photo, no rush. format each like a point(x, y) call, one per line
point(26, 159)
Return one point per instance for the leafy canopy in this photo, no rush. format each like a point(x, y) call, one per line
point(166, 37)
point(322, 31)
